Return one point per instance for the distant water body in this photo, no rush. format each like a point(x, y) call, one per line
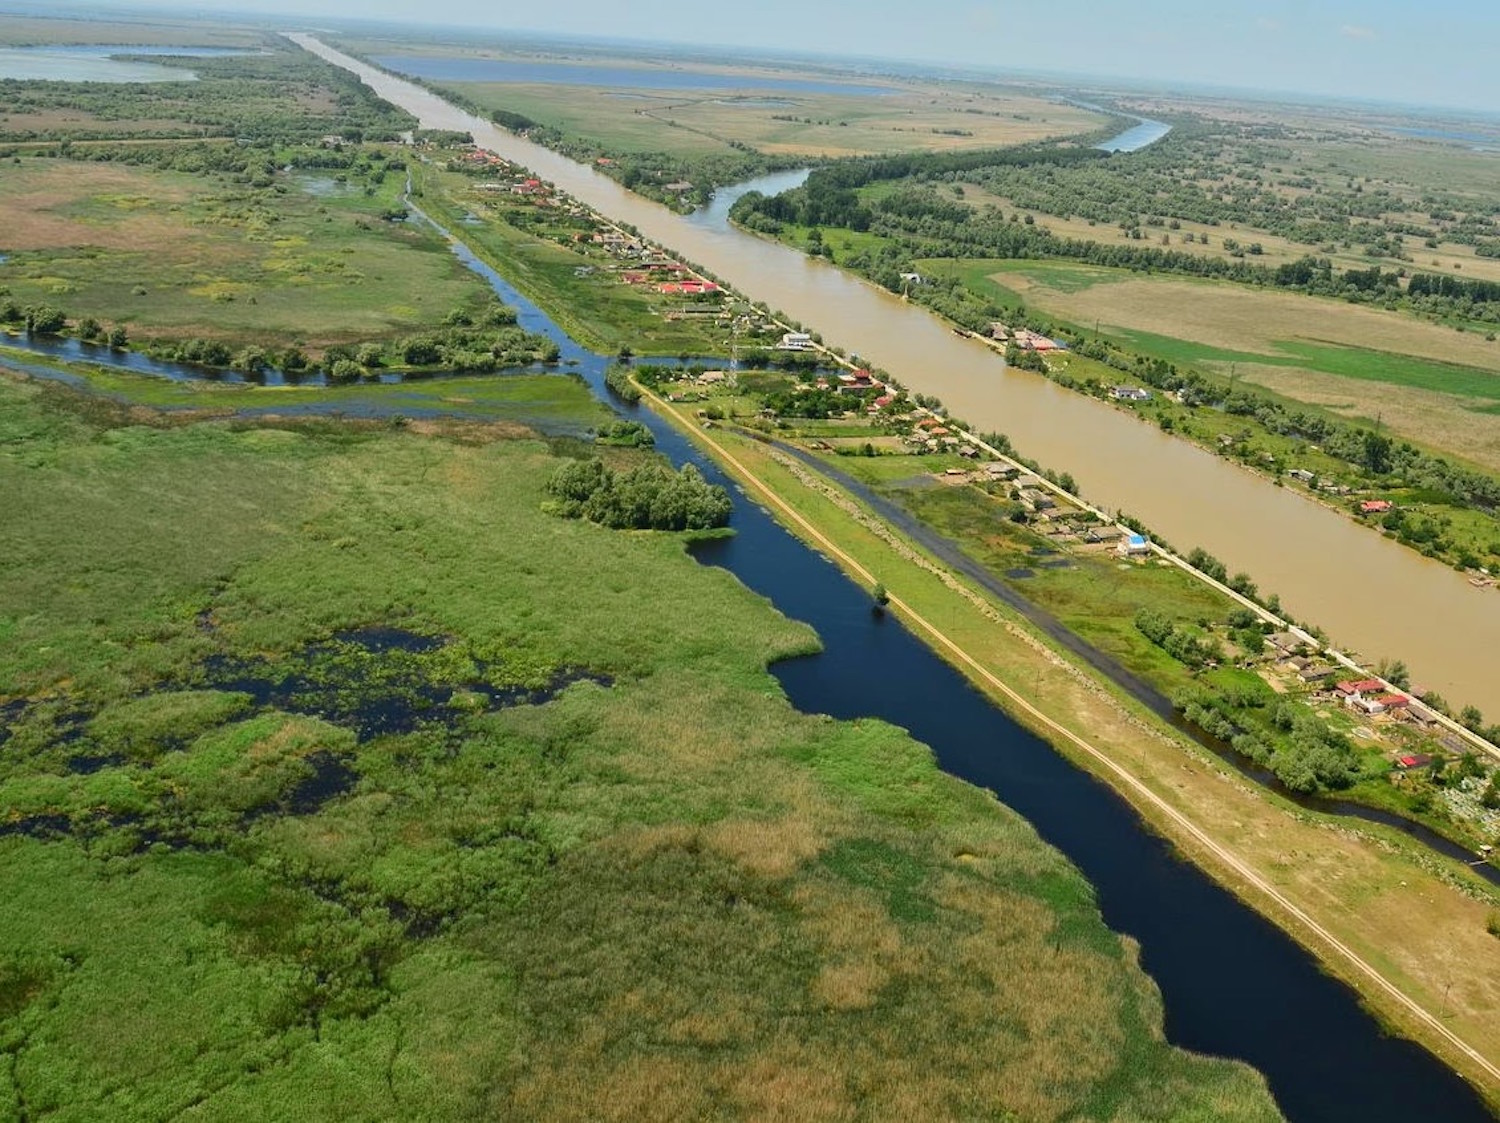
point(1143, 134)
point(439, 69)
point(99, 64)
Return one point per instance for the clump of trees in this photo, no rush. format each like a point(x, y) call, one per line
point(617, 378)
point(1285, 737)
point(1180, 643)
point(648, 497)
point(624, 434)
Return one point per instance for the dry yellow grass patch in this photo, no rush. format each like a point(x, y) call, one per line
point(863, 949)
point(1241, 319)
point(32, 206)
point(785, 1089)
point(641, 1088)
point(1433, 419)
point(769, 848)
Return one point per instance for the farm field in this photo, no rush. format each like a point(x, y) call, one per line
point(303, 811)
point(1426, 382)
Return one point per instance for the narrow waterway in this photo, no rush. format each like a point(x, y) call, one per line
point(1370, 594)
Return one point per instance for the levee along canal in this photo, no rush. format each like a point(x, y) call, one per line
point(1325, 568)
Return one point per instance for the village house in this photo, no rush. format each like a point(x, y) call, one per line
point(1375, 506)
point(1037, 500)
point(1034, 341)
point(1130, 394)
point(1285, 643)
point(1302, 475)
point(1103, 533)
point(1134, 546)
point(795, 341)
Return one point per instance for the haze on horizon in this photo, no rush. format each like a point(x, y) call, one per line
point(1441, 53)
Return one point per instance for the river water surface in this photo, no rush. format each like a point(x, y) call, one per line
point(1369, 593)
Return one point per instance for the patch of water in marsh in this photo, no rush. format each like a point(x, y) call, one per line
point(385, 680)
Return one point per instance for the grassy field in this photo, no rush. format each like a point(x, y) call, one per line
point(175, 255)
point(31, 31)
point(1428, 383)
point(831, 125)
point(551, 403)
point(388, 892)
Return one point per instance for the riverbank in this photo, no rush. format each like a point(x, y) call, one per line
point(1351, 895)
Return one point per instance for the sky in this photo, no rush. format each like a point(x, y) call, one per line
point(1423, 52)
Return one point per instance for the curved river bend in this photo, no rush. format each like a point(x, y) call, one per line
point(1232, 983)
point(1371, 594)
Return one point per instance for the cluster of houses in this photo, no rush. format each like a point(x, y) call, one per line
point(1370, 697)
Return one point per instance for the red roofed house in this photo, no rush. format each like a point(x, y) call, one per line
point(1375, 506)
point(1394, 701)
point(1354, 688)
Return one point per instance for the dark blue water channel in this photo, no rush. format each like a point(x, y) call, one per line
point(1232, 984)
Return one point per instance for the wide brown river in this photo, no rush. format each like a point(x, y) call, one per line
point(1370, 594)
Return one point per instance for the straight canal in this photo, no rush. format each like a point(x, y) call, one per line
point(1325, 568)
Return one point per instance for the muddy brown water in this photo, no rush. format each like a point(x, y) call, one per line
point(1370, 594)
